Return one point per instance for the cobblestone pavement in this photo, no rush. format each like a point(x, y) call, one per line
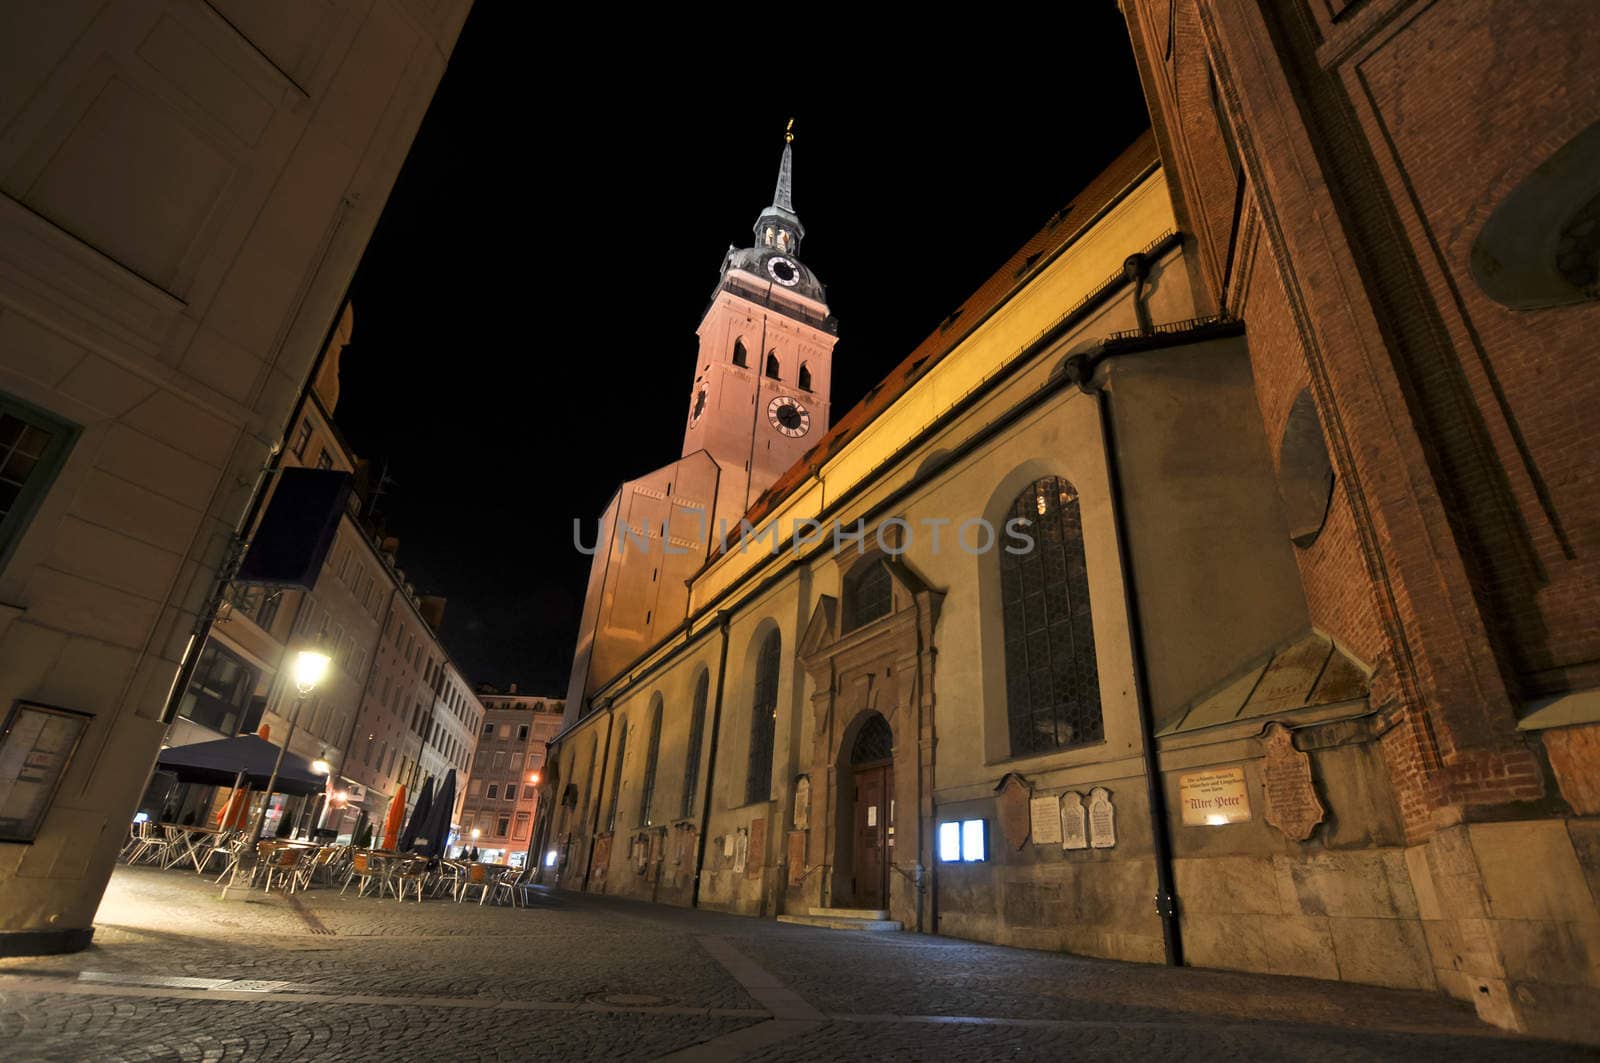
point(176, 973)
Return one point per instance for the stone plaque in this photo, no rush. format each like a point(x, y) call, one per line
point(1291, 794)
point(1012, 809)
point(802, 803)
point(1213, 798)
point(756, 850)
point(1074, 822)
point(797, 857)
point(1044, 820)
point(1102, 819)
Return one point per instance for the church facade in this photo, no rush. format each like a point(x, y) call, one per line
point(1215, 587)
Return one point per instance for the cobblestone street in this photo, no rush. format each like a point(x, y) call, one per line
point(177, 974)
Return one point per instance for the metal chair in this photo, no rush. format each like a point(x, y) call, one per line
point(508, 883)
point(368, 868)
point(305, 873)
point(285, 865)
point(409, 875)
point(245, 862)
point(478, 878)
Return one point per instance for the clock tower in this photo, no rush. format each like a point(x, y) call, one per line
point(760, 395)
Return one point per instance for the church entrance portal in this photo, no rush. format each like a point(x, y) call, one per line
point(872, 771)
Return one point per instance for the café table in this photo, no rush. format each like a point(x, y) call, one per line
point(186, 842)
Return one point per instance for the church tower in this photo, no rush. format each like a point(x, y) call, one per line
point(760, 395)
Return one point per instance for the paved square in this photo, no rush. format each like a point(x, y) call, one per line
point(178, 974)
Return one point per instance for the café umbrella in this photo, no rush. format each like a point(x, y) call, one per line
point(419, 816)
point(436, 828)
point(391, 821)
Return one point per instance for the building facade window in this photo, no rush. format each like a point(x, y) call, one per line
point(652, 753)
point(805, 377)
point(616, 775)
point(697, 730)
point(493, 793)
point(869, 595)
point(324, 460)
point(1052, 687)
point(521, 833)
point(220, 691)
point(763, 721)
point(740, 358)
point(511, 791)
point(33, 446)
point(772, 365)
point(302, 439)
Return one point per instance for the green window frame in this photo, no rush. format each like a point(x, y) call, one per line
point(33, 448)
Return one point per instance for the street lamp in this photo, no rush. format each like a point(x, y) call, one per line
point(310, 666)
point(475, 833)
point(321, 765)
point(533, 777)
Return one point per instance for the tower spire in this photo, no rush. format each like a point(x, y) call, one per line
point(779, 226)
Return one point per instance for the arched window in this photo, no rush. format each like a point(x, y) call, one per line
point(697, 730)
point(772, 364)
point(740, 357)
point(868, 595)
point(805, 377)
point(616, 776)
point(590, 784)
point(763, 721)
point(651, 753)
point(1052, 689)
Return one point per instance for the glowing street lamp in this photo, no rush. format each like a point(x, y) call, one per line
point(310, 668)
point(533, 777)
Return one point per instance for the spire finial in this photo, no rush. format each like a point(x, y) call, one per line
point(788, 132)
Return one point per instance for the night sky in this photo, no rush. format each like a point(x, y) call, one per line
point(525, 313)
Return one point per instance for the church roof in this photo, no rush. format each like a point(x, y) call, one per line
point(1065, 226)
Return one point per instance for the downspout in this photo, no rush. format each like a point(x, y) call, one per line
point(1083, 368)
point(599, 784)
point(711, 762)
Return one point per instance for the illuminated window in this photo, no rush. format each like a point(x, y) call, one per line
point(965, 841)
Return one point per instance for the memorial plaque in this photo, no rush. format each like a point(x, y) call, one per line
point(1044, 819)
point(797, 857)
point(755, 847)
point(1012, 807)
point(741, 850)
point(1291, 794)
point(1102, 819)
point(1074, 822)
point(802, 803)
point(1213, 798)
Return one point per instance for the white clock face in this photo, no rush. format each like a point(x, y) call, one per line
point(783, 270)
point(789, 416)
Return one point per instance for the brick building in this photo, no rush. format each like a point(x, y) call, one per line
point(502, 792)
point(1305, 650)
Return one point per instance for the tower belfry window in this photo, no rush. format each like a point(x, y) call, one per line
point(740, 358)
point(805, 378)
point(772, 364)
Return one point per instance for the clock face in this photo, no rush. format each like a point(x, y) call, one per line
point(789, 416)
point(783, 270)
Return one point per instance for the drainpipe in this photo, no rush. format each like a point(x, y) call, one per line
point(1083, 367)
point(599, 785)
point(711, 763)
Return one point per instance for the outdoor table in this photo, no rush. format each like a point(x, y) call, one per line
point(185, 841)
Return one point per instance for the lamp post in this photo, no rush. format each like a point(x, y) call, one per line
point(309, 668)
point(474, 843)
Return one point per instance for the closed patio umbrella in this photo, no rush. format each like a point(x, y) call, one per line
point(436, 828)
point(233, 814)
point(391, 821)
point(419, 816)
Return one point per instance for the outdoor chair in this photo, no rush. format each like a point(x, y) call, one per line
point(410, 875)
point(448, 878)
point(368, 868)
point(285, 864)
point(305, 873)
point(152, 847)
point(508, 883)
point(223, 843)
point(478, 878)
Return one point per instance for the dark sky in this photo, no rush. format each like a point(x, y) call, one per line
point(525, 313)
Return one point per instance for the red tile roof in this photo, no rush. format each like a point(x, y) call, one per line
point(1065, 226)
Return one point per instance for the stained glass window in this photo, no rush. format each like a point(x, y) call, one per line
point(697, 729)
point(763, 721)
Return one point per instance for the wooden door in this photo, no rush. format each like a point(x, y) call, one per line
point(873, 835)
